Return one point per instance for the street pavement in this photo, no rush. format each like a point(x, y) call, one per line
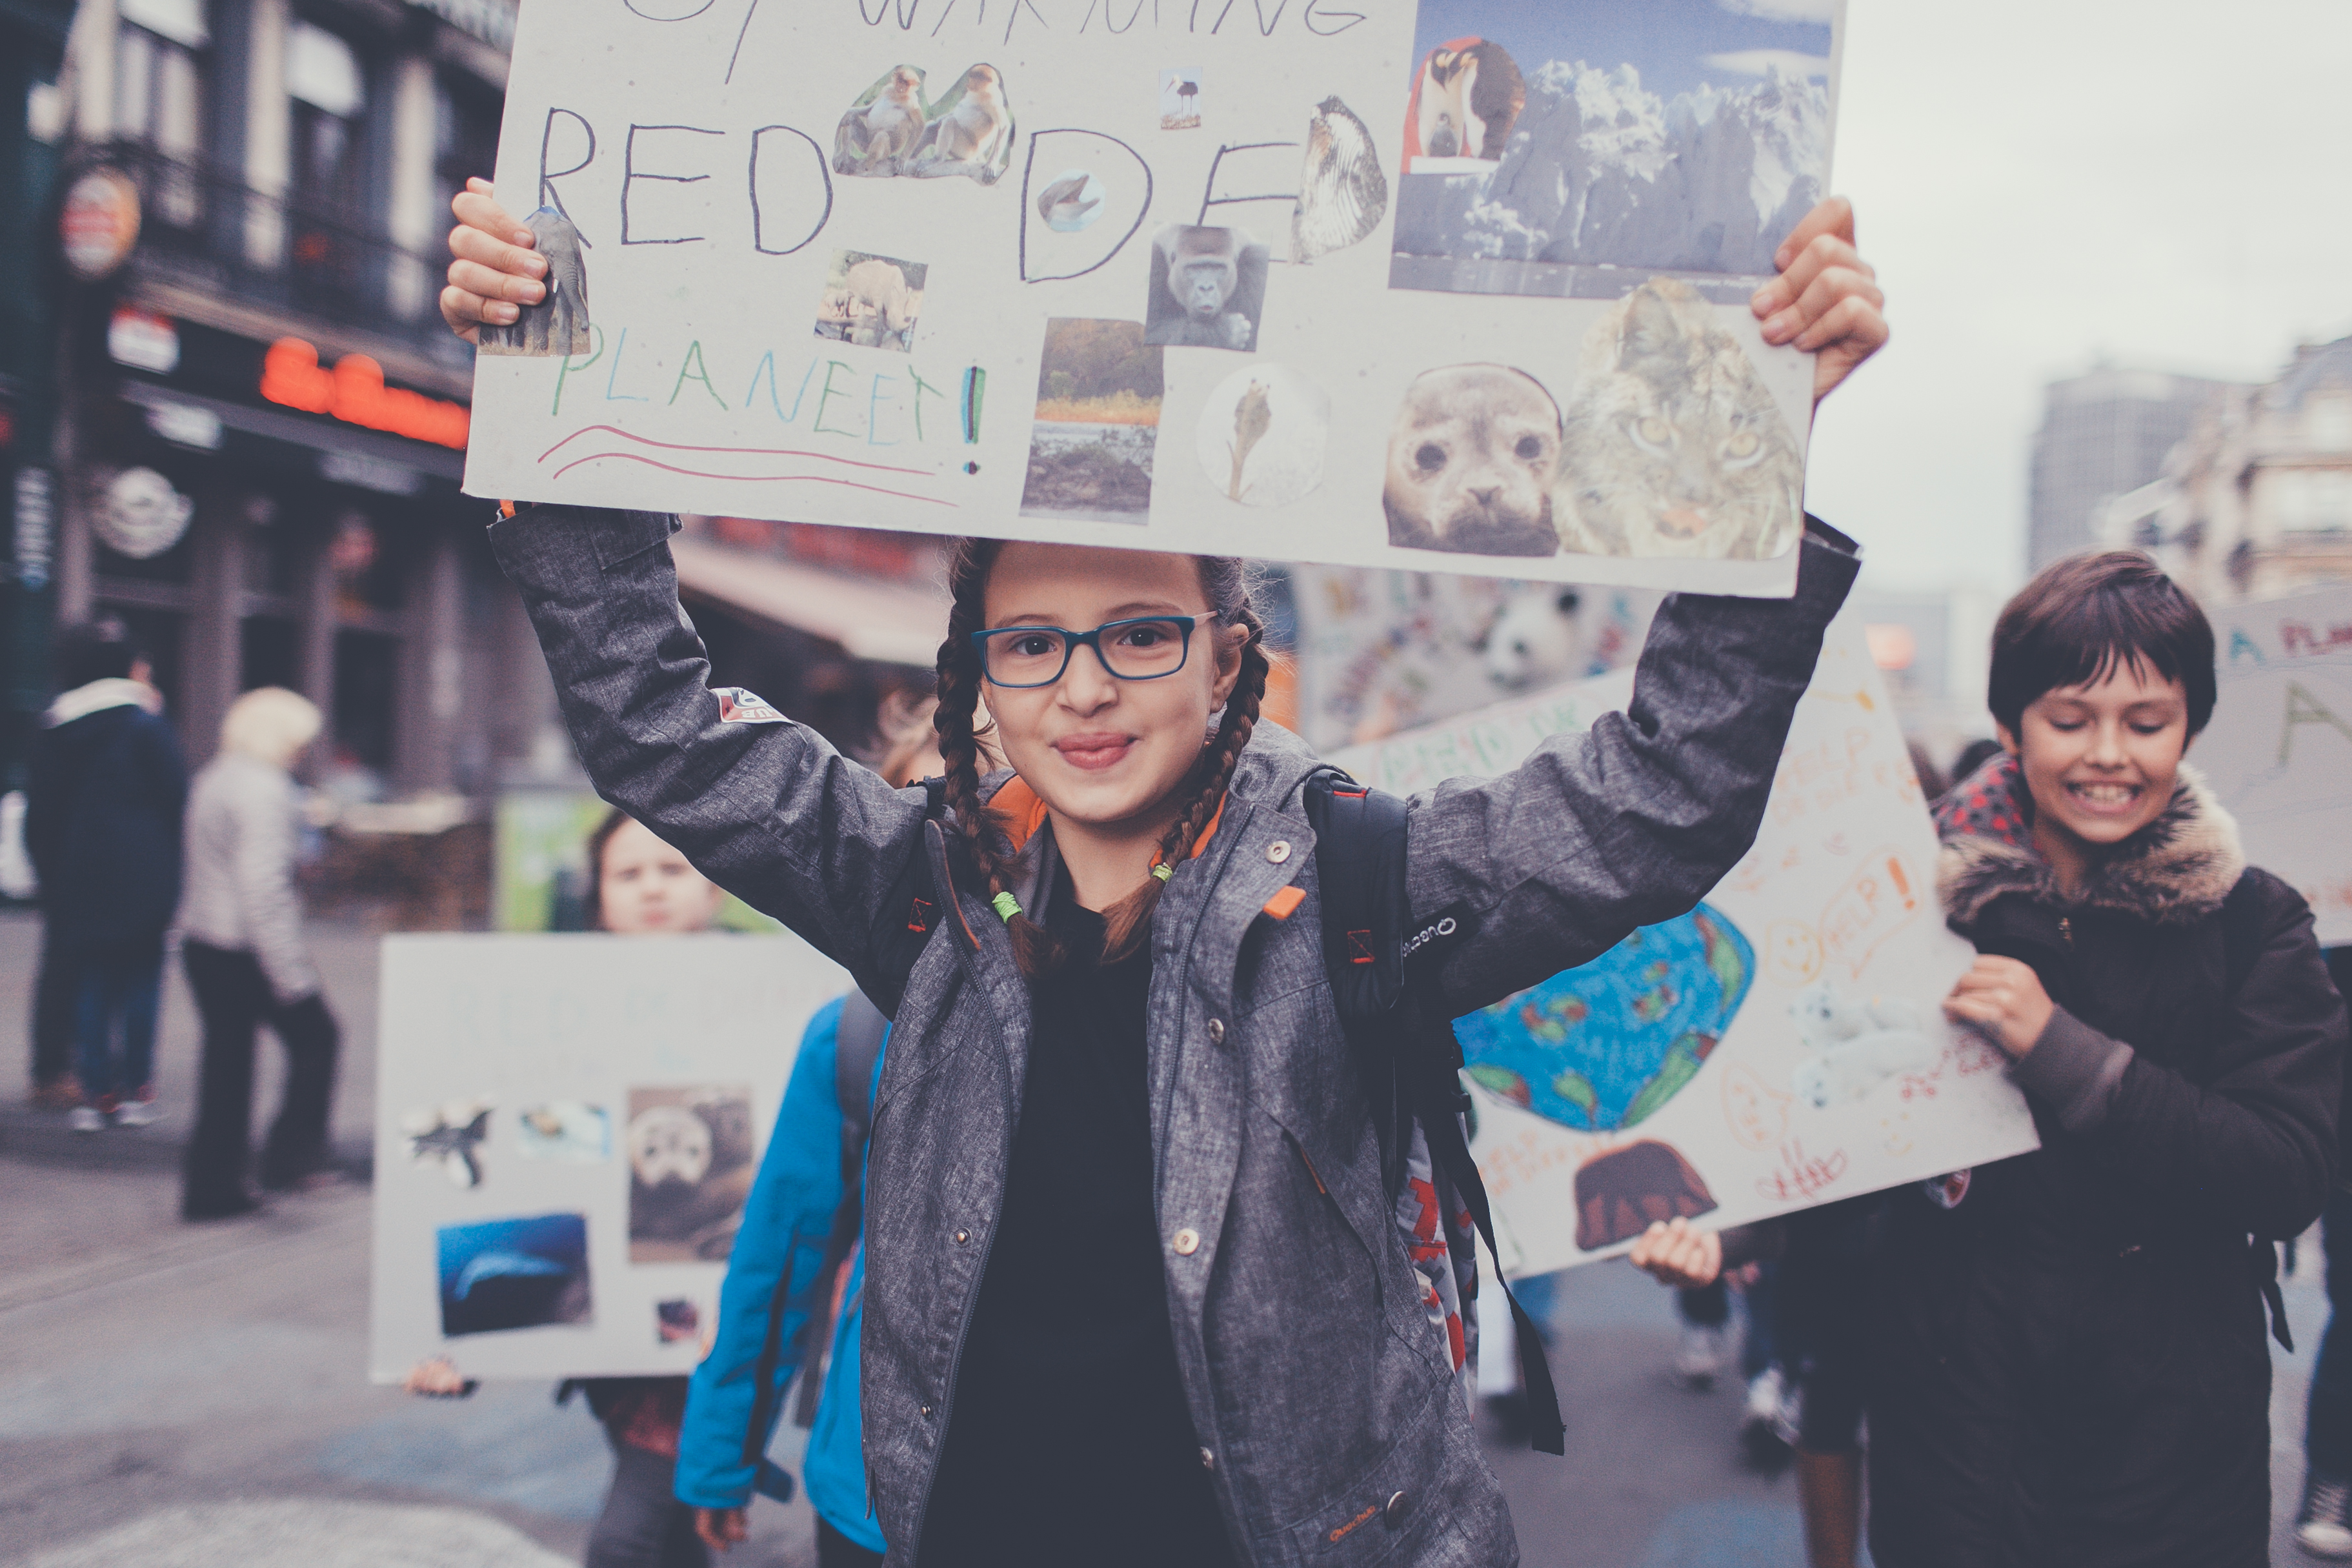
point(179, 1396)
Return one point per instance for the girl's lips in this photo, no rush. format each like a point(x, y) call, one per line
point(1094, 753)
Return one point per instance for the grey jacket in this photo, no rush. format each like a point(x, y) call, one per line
point(1325, 1406)
point(244, 833)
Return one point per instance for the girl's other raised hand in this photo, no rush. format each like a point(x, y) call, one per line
point(497, 270)
point(1675, 1252)
point(1826, 299)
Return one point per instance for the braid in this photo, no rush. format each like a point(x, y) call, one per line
point(1131, 915)
point(959, 682)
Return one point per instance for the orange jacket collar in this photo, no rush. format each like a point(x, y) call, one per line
point(1018, 811)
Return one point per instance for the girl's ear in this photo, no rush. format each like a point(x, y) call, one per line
point(2008, 739)
point(1230, 641)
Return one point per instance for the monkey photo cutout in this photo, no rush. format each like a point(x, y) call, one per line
point(1208, 288)
point(558, 324)
point(970, 132)
point(882, 127)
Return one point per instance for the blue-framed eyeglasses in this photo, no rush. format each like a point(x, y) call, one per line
point(1143, 648)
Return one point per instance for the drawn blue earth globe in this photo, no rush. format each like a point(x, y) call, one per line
point(1601, 1047)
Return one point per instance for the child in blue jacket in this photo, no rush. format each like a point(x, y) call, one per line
point(777, 1281)
point(788, 1270)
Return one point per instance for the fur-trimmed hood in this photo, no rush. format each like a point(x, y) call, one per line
point(2177, 869)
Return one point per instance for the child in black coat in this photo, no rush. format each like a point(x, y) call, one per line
point(2067, 1362)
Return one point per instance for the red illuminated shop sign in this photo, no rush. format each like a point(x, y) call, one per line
point(354, 393)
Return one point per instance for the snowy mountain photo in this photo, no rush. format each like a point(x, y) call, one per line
point(1677, 135)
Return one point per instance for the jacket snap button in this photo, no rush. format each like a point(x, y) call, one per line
point(1207, 1460)
point(1217, 1031)
point(1392, 1513)
point(961, 1236)
point(1186, 1241)
point(927, 1412)
point(1278, 851)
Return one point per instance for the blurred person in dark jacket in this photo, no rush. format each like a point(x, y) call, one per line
point(105, 788)
point(241, 932)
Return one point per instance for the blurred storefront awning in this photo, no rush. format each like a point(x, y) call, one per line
point(889, 622)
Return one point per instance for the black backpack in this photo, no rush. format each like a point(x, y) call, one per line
point(1384, 978)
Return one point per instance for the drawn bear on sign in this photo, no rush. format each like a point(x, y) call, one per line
point(1622, 1193)
point(1208, 288)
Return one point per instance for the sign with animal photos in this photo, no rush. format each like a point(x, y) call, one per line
point(1455, 286)
point(2278, 751)
point(1780, 1045)
point(568, 1130)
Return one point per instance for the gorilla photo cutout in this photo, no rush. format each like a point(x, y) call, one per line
point(1208, 288)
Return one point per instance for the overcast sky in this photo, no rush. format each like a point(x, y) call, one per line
point(2163, 183)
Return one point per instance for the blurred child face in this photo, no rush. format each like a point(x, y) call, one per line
point(2101, 758)
point(1108, 752)
point(645, 887)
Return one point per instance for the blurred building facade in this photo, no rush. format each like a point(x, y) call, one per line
point(2256, 500)
point(2103, 434)
point(1935, 649)
point(262, 420)
point(32, 52)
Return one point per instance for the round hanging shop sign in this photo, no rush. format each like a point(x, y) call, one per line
point(142, 516)
point(100, 224)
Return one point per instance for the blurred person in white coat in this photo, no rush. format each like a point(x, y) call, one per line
point(241, 926)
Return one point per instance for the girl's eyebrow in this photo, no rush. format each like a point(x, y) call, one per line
point(1119, 613)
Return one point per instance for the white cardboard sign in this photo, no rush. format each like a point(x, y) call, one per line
point(1458, 284)
point(2278, 752)
point(1781, 1047)
point(568, 1127)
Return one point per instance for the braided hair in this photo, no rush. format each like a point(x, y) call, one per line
point(1224, 580)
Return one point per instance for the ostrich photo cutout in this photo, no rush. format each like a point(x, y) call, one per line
point(1779, 1045)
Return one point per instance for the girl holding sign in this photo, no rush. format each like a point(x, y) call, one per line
point(1135, 1290)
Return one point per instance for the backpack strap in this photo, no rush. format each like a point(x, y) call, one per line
point(1360, 868)
point(1384, 975)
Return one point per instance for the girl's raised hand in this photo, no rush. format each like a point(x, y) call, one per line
point(1826, 300)
point(497, 271)
point(1675, 1252)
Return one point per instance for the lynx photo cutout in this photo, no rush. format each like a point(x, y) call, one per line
point(1459, 286)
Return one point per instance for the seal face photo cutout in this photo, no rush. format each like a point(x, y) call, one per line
point(1472, 460)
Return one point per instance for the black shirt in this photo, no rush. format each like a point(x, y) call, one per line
point(1069, 1445)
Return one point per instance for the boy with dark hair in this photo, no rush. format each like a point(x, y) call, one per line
point(2068, 1363)
point(105, 786)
